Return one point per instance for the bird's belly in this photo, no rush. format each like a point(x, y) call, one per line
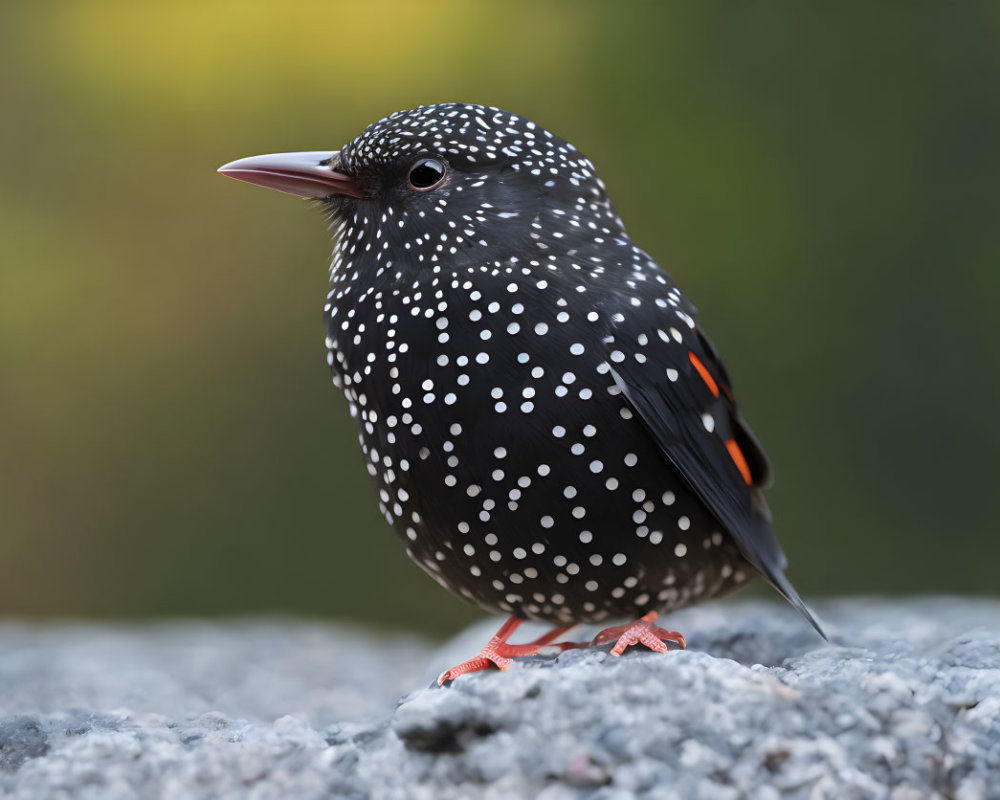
point(518, 479)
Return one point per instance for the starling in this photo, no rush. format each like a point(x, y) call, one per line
point(551, 433)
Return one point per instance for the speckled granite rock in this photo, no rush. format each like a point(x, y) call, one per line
point(905, 705)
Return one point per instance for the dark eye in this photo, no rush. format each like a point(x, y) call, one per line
point(427, 173)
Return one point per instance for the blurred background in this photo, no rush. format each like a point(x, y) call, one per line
point(823, 183)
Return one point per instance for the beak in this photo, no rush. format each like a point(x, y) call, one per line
point(306, 175)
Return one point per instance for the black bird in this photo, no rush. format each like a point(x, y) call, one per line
point(551, 433)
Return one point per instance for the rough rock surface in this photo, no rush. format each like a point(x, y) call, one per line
point(904, 704)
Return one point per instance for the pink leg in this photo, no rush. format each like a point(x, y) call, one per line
point(642, 631)
point(498, 651)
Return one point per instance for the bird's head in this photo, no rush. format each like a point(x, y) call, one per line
point(447, 183)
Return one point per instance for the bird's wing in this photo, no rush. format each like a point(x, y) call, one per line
point(670, 374)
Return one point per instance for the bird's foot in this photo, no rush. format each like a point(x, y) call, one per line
point(642, 631)
point(498, 652)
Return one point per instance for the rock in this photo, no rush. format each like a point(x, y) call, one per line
point(21, 738)
point(905, 703)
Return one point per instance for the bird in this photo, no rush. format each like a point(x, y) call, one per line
point(551, 432)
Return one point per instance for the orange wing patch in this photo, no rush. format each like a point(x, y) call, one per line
point(705, 374)
point(734, 449)
point(741, 463)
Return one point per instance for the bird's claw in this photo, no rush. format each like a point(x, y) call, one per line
point(642, 631)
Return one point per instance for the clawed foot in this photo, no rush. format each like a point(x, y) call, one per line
point(502, 654)
point(642, 631)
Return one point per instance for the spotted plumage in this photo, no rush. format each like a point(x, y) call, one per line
point(550, 431)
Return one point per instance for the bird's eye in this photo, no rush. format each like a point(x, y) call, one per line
point(426, 174)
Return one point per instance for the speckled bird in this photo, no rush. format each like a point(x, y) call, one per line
point(551, 433)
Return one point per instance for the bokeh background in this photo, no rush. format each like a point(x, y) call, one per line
point(824, 182)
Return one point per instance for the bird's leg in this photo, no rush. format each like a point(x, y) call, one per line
point(642, 631)
point(498, 651)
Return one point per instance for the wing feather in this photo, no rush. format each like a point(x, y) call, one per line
point(671, 375)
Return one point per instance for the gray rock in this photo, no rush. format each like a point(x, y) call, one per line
point(21, 738)
point(904, 704)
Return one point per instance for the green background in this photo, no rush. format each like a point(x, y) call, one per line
point(823, 182)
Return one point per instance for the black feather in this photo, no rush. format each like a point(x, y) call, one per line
point(672, 412)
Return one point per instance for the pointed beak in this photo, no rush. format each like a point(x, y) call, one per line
point(303, 174)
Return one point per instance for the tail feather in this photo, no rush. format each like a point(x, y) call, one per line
point(784, 587)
